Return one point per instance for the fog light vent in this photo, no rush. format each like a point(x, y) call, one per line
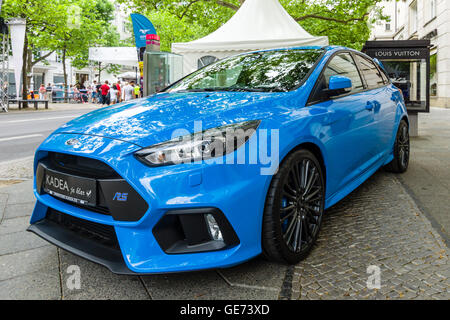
point(213, 228)
point(194, 230)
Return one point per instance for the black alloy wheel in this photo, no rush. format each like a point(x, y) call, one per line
point(402, 150)
point(294, 208)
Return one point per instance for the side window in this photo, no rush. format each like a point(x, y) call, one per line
point(371, 73)
point(385, 77)
point(340, 65)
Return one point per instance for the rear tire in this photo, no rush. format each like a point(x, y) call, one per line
point(401, 150)
point(294, 209)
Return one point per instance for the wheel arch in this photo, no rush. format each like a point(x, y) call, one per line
point(405, 117)
point(314, 149)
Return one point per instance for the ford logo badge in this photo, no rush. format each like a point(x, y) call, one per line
point(72, 142)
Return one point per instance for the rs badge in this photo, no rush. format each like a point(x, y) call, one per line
point(120, 196)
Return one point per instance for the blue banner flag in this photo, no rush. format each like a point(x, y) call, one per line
point(141, 27)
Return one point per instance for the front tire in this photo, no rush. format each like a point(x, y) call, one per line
point(401, 150)
point(294, 209)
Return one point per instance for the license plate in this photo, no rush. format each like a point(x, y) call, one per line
point(71, 188)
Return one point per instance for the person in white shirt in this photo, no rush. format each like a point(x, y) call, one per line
point(113, 92)
point(128, 91)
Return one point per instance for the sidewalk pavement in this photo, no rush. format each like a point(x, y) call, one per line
point(377, 225)
point(397, 223)
point(428, 177)
point(54, 107)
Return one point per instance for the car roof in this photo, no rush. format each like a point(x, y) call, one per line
point(325, 48)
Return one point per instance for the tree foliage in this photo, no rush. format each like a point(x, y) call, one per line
point(345, 22)
point(68, 27)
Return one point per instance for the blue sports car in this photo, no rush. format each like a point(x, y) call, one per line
point(239, 158)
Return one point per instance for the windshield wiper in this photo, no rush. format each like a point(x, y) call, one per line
point(233, 89)
point(275, 89)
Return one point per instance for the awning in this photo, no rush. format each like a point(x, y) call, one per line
point(125, 56)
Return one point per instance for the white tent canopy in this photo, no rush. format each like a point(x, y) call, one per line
point(128, 75)
point(125, 56)
point(258, 24)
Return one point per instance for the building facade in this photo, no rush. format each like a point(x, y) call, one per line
point(417, 20)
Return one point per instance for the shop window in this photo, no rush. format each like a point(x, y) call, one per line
point(433, 8)
point(410, 77)
point(58, 80)
point(429, 10)
point(433, 75)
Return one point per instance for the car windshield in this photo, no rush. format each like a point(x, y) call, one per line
point(267, 71)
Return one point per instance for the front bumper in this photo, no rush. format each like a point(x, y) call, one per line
point(88, 249)
point(237, 191)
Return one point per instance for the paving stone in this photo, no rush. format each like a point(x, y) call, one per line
point(20, 193)
point(18, 210)
point(20, 241)
point(378, 224)
point(257, 273)
point(96, 282)
point(14, 225)
point(30, 261)
point(205, 285)
point(41, 285)
point(3, 203)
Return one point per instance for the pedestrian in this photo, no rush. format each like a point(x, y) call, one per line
point(94, 92)
point(119, 91)
point(99, 96)
point(49, 91)
point(75, 93)
point(113, 93)
point(128, 91)
point(137, 91)
point(42, 92)
point(105, 93)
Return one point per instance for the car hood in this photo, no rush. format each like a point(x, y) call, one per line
point(153, 119)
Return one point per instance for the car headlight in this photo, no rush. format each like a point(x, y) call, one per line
point(211, 143)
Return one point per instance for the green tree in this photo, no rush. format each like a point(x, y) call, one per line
point(87, 25)
point(345, 22)
point(68, 27)
point(171, 29)
point(43, 19)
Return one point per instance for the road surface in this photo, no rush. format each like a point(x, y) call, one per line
point(22, 132)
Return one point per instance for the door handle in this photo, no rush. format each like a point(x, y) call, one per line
point(370, 105)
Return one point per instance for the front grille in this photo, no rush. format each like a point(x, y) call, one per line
point(97, 232)
point(81, 166)
point(108, 184)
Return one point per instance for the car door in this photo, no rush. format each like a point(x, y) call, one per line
point(348, 125)
point(381, 98)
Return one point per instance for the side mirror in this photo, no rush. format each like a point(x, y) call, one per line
point(339, 85)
